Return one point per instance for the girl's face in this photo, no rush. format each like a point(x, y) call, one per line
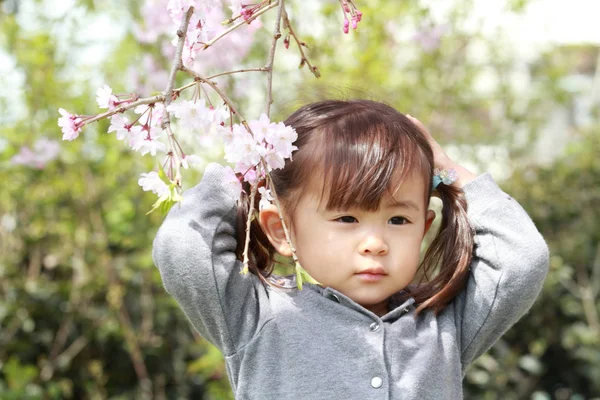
point(366, 255)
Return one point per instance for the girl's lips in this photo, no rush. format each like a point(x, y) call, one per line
point(369, 277)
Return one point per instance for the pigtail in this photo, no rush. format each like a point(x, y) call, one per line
point(451, 251)
point(260, 250)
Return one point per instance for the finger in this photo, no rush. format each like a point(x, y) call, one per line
point(420, 125)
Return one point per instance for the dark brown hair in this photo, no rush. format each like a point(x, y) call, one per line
point(359, 147)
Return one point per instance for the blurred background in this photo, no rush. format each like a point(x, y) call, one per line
point(509, 86)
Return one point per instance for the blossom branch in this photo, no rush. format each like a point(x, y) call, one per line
point(239, 71)
point(271, 59)
point(218, 90)
point(300, 44)
point(248, 224)
point(121, 109)
point(240, 23)
point(177, 64)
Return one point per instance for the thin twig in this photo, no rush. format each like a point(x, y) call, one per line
point(147, 100)
point(237, 25)
point(248, 223)
point(218, 90)
point(271, 59)
point(176, 66)
point(238, 71)
point(174, 153)
point(300, 44)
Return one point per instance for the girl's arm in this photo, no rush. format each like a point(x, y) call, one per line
point(509, 265)
point(194, 250)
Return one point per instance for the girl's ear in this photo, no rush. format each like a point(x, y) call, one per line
point(271, 225)
point(429, 217)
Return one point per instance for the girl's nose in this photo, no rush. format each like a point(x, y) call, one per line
point(373, 244)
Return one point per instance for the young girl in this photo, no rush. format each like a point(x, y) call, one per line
point(356, 198)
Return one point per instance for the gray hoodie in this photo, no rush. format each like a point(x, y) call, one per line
point(319, 344)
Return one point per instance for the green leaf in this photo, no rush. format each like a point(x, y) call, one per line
point(167, 200)
point(303, 276)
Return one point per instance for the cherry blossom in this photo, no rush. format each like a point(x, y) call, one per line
point(352, 16)
point(266, 197)
point(69, 124)
point(147, 141)
point(429, 37)
point(44, 150)
point(271, 142)
point(190, 160)
point(119, 124)
point(230, 180)
point(151, 182)
point(195, 116)
point(105, 98)
point(153, 111)
point(243, 149)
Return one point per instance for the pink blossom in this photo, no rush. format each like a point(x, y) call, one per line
point(44, 151)
point(190, 160)
point(156, 22)
point(152, 76)
point(282, 137)
point(346, 25)
point(119, 124)
point(231, 180)
point(248, 172)
point(105, 98)
point(266, 197)
point(177, 8)
point(69, 124)
point(261, 127)
point(243, 149)
point(429, 37)
point(195, 116)
point(147, 141)
point(272, 142)
point(154, 113)
point(151, 181)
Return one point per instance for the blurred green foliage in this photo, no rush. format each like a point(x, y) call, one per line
point(83, 313)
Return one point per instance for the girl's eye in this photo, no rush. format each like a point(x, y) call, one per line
point(347, 219)
point(398, 221)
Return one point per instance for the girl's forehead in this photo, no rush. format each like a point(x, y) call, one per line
point(409, 190)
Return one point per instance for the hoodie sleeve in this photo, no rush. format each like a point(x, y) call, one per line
point(509, 265)
point(194, 250)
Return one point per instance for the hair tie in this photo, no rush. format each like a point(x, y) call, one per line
point(445, 176)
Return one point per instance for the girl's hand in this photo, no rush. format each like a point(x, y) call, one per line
point(441, 159)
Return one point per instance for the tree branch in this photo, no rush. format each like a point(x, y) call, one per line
point(248, 224)
point(237, 25)
point(300, 44)
point(176, 66)
point(218, 90)
point(147, 100)
point(262, 69)
point(271, 59)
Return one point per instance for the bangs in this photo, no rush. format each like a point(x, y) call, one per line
point(365, 156)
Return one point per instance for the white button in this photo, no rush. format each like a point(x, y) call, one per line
point(405, 311)
point(376, 382)
point(374, 326)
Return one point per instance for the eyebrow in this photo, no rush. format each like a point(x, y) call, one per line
point(403, 204)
